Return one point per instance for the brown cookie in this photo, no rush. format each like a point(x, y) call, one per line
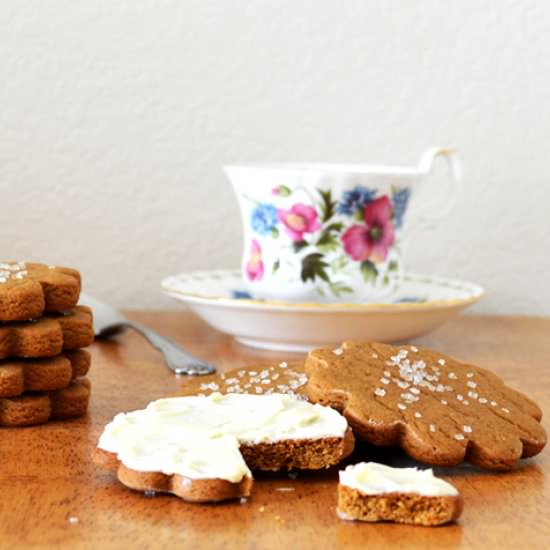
point(189, 445)
point(36, 408)
point(398, 507)
point(197, 490)
point(19, 376)
point(375, 492)
point(27, 290)
point(268, 378)
point(49, 335)
point(440, 411)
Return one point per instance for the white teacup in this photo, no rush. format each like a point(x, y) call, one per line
point(326, 232)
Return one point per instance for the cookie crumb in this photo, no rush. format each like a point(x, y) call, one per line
point(381, 392)
point(441, 361)
point(459, 437)
point(471, 384)
point(338, 351)
point(467, 429)
point(504, 409)
point(482, 400)
point(401, 406)
point(433, 428)
point(453, 376)
point(418, 414)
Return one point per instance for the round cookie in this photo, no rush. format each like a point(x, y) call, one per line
point(440, 411)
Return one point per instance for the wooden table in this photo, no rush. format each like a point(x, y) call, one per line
point(51, 494)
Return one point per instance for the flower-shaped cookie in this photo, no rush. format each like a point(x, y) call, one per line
point(440, 411)
point(27, 290)
point(36, 408)
point(49, 335)
point(51, 373)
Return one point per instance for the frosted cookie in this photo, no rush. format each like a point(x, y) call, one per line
point(49, 335)
point(203, 448)
point(373, 492)
point(265, 379)
point(440, 411)
point(27, 290)
point(21, 375)
point(37, 408)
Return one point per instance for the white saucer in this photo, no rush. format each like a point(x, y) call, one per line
point(421, 304)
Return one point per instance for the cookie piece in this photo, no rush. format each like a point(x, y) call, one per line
point(19, 376)
point(374, 492)
point(49, 335)
point(440, 411)
point(202, 448)
point(27, 290)
point(262, 379)
point(36, 408)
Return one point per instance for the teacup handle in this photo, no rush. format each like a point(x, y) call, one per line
point(425, 166)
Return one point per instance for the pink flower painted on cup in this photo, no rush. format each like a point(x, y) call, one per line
point(255, 265)
point(298, 220)
point(373, 240)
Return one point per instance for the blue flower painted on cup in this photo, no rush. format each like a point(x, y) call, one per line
point(264, 219)
point(400, 199)
point(355, 200)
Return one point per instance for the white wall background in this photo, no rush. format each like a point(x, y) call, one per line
point(117, 115)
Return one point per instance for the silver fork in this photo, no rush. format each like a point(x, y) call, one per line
point(109, 321)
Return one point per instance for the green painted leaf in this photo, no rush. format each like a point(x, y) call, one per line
point(339, 263)
point(386, 280)
point(274, 232)
point(314, 266)
point(336, 226)
point(298, 245)
point(284, 191)
point(393, 266)
point(327, 242)
point(340, 288)
point(276, 265)
point(328, 206)
point(369, 271)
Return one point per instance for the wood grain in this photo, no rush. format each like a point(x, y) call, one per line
point(53, 495)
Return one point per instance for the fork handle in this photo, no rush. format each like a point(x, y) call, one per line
point(178, 360)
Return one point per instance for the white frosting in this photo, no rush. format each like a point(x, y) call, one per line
point(198, 437)
point(371, 478)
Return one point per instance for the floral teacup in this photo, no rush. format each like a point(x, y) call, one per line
point(326, 232)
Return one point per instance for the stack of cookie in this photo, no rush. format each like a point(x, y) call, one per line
point(42, 331)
